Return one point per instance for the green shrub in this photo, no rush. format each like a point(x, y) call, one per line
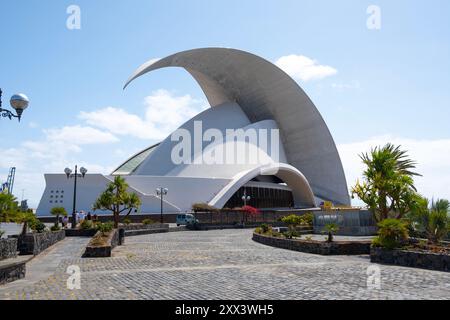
point(105, 227)
point(37, 226)
point(127, 221)
point(55, 228)
point(259, 230)
point(392, 233)
point(2, 232)
point(292, 220)
point(148, 221)
point(86, 225)
point(290, 234)
point(264, 228)
point(203, 207)
point(307, 219)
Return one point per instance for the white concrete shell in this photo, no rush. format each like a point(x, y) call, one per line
point(245, 92)
point(264, 91)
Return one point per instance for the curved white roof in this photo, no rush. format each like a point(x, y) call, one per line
point(264, 92)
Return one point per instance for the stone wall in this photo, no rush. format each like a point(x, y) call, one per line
point(8, 248)
point(141, 226)
point(316, 247)
point(80, 232)
point(410, 258)
point(35, 243)
point(12, 271)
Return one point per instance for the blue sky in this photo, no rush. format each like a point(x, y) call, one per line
point(390, 84)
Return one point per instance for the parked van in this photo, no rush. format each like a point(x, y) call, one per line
point(186, 218)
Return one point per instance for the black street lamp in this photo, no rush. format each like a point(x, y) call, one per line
point(19, 102)
point(161, 192)
point(245, 198)
point(76, 175)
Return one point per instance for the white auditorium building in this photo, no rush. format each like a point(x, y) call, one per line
point(296, 166)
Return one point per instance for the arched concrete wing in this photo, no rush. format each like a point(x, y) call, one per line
point(266, 92)
point(301, 190)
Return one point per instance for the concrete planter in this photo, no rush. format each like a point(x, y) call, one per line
point(411, 258)
point(316, 247)
point(12, 269)
point(93, 251)
point(35, 243)
point(8, 248)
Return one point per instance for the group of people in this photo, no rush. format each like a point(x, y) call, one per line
point(79, 217)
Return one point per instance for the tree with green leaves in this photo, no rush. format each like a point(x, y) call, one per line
point(116, 199)
point(57, 212)
point(388, 187)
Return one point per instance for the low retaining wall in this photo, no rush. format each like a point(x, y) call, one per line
point(209, 226)
point(35, 243)
point(223, 217)
point(141, 226)
point(103, 251)
point(141, 229)
point(410, 258)
point(8, 248)
point(80, 232)
point(316, 247)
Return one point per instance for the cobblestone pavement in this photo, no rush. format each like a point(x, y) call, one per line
point(226, 264)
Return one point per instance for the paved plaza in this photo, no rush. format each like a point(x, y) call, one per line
point(220, 264)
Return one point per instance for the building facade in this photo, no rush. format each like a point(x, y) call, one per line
point(262, 137)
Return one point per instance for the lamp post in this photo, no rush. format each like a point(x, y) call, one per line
point(245, 198)
point(75, 175)
point(19, 102)
point(161, 192)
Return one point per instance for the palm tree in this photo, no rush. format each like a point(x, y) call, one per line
point(116, 199)
point(431, 219)
point(388, 189)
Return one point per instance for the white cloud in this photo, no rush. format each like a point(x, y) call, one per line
point(33, 125)
point(58, 148)
point(432, 157)
point(303, 68)
point(164, 112)
point(346, 86)
point(79, 135)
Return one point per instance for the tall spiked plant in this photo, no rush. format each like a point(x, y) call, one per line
point(388, 185)
point(431, 219)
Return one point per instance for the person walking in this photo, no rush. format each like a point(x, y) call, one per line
point(65, 221)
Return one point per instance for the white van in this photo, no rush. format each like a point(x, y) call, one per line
point(186, 218)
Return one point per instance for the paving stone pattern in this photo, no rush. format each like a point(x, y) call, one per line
point(221, 264)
